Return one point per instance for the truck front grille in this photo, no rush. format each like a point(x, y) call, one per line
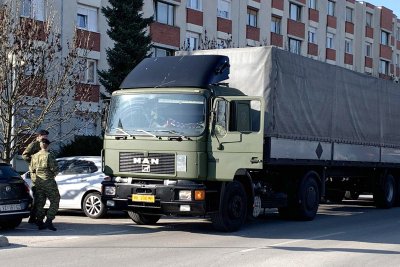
point(158, 163)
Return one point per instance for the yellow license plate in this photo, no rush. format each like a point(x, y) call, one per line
point(143, 198)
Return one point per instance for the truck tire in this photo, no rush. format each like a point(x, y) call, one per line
point(385, 192)
point(397, 201)
point(143, 219)
point(304, 204)
point(233, 210)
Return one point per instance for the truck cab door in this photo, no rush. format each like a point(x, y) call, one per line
point(236, 136)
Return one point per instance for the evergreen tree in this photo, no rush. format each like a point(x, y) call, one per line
point(127, 28)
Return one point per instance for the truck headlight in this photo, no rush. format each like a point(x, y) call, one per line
point(109, 190)
point(181, 163)
point(185, 195)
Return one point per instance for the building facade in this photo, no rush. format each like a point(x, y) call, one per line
point(352, 34)
point(348, 33)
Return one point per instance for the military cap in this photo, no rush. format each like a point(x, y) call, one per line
point(42, 132)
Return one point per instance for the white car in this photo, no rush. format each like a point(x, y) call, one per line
point(79, 183)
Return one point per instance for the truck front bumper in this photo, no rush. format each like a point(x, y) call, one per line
point(156, 198)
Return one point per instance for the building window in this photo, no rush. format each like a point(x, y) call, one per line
point(33, 9)
point(398, 33)
point(194, 4)
point(89, 74)
point(252, 17)
point(312, 36)
point(368, 19)
point(224, 9)
point(164, 13)
point(161, 52)
point(87, 18)
point(295, 12)
point(368, 49)
point(349, 14)
point(331, 8)
point(384, 67)
point(384, 38)
point(312, 4)
point(348, 46)
point(398, 60)
point(294, 46)
point(330, 40)
point(276, 25)
point(192, 41)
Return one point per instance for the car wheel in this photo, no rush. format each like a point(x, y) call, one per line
point(11, 224)
point(93, 207)
point(143, 219)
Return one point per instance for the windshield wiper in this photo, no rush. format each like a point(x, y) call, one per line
point(123, 131)
point(146, 132)
point(173, 132)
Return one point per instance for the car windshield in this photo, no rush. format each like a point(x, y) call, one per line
point(7, 171)
point(157, 115)
point(76, 166)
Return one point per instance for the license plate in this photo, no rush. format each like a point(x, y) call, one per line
point(143, 198)
point(10, 207)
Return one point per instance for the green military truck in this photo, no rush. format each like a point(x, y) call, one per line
point(228, 133)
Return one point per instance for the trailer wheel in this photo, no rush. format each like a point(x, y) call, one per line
point(233, 209)
point(385, 192)
point(143, 219)
point(397, 201)
point(308, 196)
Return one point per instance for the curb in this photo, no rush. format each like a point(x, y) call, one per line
point(4, 241)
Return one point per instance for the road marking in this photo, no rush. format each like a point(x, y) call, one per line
point(115, 232)
point(72, 237)
point(292, 241)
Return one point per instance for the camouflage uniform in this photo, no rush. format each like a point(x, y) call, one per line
point(32, 149)
point(45, 168)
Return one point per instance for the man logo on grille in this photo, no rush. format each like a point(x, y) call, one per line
point(145, 168)
point(149, 161)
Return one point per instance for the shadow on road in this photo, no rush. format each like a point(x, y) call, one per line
point(348, 221)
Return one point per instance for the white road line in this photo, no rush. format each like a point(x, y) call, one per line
point(72, 237)
point(292, 241)
point(111, 233)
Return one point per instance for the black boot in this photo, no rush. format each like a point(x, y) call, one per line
point(32, 220)
point(40, 224)
point(49, 225)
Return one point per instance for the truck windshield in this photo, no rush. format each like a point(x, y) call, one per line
point(157, 115)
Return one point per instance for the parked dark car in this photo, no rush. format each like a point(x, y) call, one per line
point(15, 200)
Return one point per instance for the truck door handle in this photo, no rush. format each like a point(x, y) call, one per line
point(255, 160)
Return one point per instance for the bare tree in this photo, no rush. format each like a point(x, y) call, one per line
point(38, 76)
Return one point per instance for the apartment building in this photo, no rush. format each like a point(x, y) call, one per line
point(352, 34)
point(348, 33)
point(84, 18)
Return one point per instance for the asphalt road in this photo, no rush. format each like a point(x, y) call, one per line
point(351, 234)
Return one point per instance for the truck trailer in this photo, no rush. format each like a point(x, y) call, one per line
point(228, 133)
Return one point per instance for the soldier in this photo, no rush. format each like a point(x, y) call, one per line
point(31, 149)
point(45, 168)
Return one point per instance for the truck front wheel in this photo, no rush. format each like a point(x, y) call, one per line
point(233, 209)
point(143, 219)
